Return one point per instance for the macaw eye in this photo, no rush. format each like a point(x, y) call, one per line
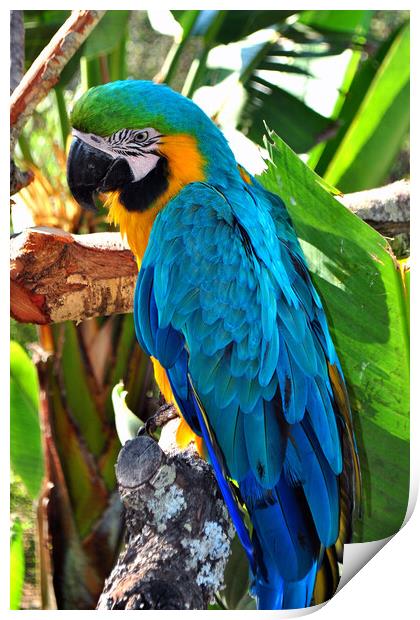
point(140, 137)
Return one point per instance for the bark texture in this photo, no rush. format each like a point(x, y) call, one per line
point(17, 48)
point(56, 276)
point(385, 208)
point(178, 529)
point(18, 178)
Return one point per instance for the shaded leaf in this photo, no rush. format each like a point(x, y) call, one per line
point(311, 52)
point(236, 24)
point(299, 125)
point(247, 603)
point(79, 383)
point(377, 120)
point(72, 66)
point(406, 278)
point(272, 63)
point(321, 154)
point(124, 344)
point(138, 380)
point(86, 489)
point(362, 291)
point(40, 27)
point(25, 435)
point(240, 24)
point(215, 607)
point(107, 34)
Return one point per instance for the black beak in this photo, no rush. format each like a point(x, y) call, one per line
point(90, 170)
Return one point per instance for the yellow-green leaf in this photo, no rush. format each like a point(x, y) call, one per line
point(377, 130)
point(25, 434)
point(126, 422)
point(17, 565)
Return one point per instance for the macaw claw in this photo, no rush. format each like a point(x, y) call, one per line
point(163, 415)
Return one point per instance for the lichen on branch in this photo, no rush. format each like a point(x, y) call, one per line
point(178, 528)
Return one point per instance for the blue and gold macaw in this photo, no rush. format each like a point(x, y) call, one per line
point(225, 307)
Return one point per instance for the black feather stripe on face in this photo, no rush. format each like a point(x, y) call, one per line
point(139, 195)
point(131, 142)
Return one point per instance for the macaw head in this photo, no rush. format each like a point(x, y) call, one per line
point(142, 140)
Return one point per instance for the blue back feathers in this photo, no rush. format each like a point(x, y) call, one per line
point(224, 301)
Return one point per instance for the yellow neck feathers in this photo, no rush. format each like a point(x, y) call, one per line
point(185, 164)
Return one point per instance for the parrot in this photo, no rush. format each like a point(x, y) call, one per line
point(225, 307)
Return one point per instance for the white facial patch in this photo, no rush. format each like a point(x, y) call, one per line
point(136, 146)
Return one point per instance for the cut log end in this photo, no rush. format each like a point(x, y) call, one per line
point(56, 276)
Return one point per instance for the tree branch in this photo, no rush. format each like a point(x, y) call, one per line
point(17, 48)
point(178, 529)
point(18, 178)
point(41, 76)
point(46, 69)
point(56, 276)
point(385, 208)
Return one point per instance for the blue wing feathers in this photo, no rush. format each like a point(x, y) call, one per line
point(293, 466)
point(264, 444)
point(169, 344)
point(224, 301)
point(323, 422)
point(143, 325)
point(319, 483)
point(269, 358)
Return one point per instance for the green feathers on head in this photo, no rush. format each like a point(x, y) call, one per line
point(136, 104)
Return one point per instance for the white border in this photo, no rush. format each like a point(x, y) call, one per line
point(388, 585)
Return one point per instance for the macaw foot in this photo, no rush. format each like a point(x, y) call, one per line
point(165, 413)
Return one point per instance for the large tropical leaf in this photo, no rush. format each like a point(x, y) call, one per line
point(107, 34)
point(269, 94)
point(363, 293)
point(25, 435)
point(375, 119)
point(300, 126)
